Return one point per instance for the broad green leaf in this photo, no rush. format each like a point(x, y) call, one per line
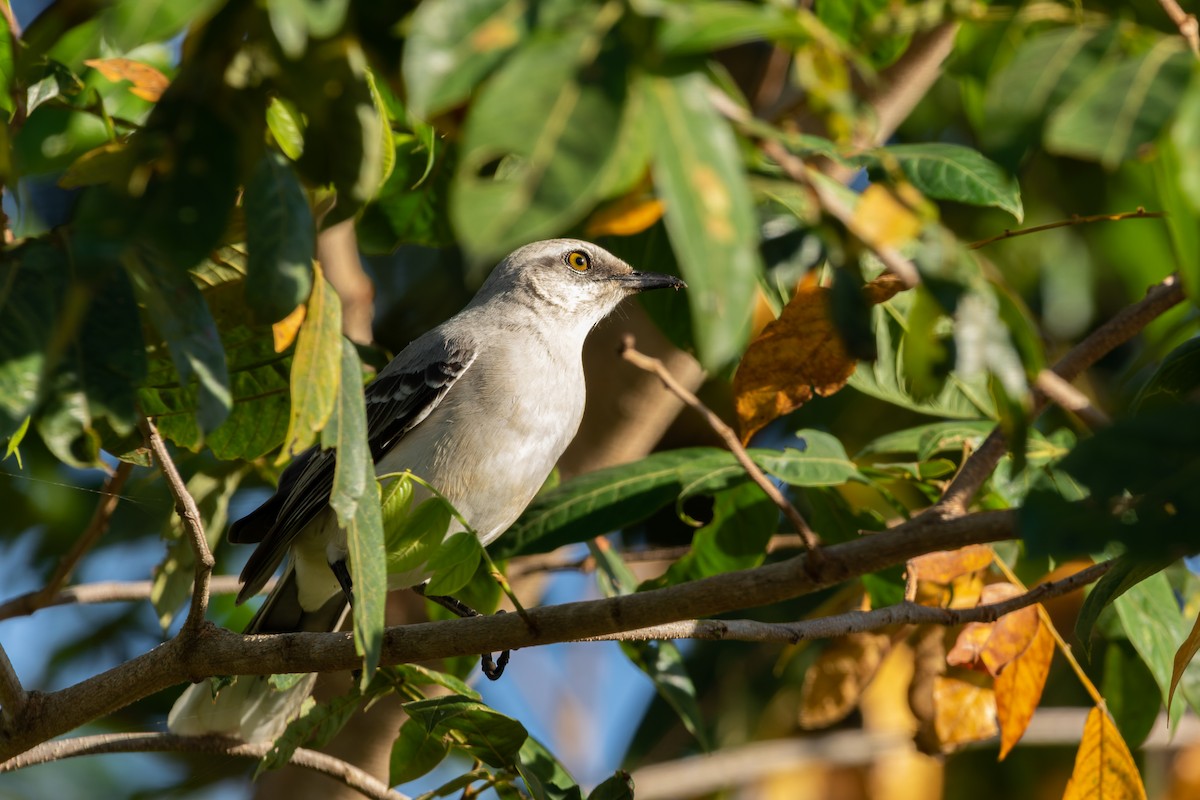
point(1043, 72)
point(280, 239)
point(1130, 692)
point(411, 538)
point(415, 752)
point(453, 44)
point(1152, 620)
point(294, 22)
point(316, 368)
point(287, 127)
point(470, 725)
point(929, 440)
point(703, 27)
point(423, 676)
point(315, 727)
point(1124, 575)
point(528, 170)
point(7, 71)
point(544, 776)
point(1185, 136)
point(822, 461)
point(1176, 378)
point(454, 563)
point(32, 278)
point(1171, 170)
point(953, 172)
point(355, 499)
point(1123, 105)
point(698, 173)
point(616, 787)
point(54, 137)
point(413, 204)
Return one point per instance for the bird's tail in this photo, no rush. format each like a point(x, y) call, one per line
point(251, 708)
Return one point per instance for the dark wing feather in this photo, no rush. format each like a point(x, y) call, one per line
point(397, 401)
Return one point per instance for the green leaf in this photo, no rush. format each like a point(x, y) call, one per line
point(1152, 620)
point(69, 132)
point(452, 45)
point(294, 22)
point(313, 728)
point(416, 751)
point(1124, 575)
point(183, 319)
point(454, 563)
point(1185, 136)
point(1171, 171)
point(709, 215)
point(287, 127)
point(617, 787)
point(1130, 692)
point(355, 499)
point(488, 735)
point(544, 776)
point(7, 71)
point(280, 239)
point(423, 676)
point(929, 440)
point(689, 28)
point(952, 172)
point(1176, 379)
point(411, 539)
point(821, 462)
point(1123, 105)
point(316, 368)
point(528, 170)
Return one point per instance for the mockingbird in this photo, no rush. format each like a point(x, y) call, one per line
point(481, 407)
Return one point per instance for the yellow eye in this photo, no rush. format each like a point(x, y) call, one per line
point(578, 261)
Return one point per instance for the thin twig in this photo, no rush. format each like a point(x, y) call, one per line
point(101, 517)
point(109, 592)
point(811, 542)
point(798, 171)
point(1116, 331)
point(1141, 213)
point(189, 515)
point(12, 694)
point(905, 613)
point(1185, 22)
point(335, 768)
point(1068, 397)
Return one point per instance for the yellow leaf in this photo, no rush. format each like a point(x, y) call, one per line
point(148, 83)
point(284, 331)
point(1104, 766)
point(1019, 688)
point(631, 214)
point(796, 356)
point(965, 710)
point(883, 220)
point(834, 683)
point(946, 565)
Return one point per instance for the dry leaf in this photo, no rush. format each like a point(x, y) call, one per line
point(796, 356)
point(1183, 657)
point(1019, 688)
point(968, 647)
point(148, 83)
point(992, 645)
point(965, 709)
point(946, 565)
point(834, 683)
point(285, 331)
point(1104, 766)
point(631, 214)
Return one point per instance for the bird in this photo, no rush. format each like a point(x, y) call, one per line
point(480, 407)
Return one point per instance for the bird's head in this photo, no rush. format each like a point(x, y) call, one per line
point(575, 276)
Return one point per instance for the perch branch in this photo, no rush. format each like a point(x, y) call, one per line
point(811, 542)
point(12, 694)
point(335, 768)
point(193, 528)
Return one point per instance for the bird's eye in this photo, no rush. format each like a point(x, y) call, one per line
point(578, 261)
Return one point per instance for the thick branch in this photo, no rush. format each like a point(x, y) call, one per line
point(1118, 330)
point(906, 613)
point(12, 694)
point(213, 651)
point(653, 365)
point(193, 528)
point(335, 768)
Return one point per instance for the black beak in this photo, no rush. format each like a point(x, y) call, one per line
point(644, 281)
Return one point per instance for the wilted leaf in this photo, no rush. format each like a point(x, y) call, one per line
point(316, 368)
point(946, 565)
point(1104, 767)
point(835, 682)
point(1019, 688)
point(631, 214)
point(148, 82)
point(965, 710)
point(1183, 657)
point(284, 332)
point(796, 356)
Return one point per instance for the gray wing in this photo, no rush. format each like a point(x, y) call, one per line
point(398, 400)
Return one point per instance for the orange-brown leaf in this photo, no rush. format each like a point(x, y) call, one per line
point(148, 83)
point(796, 356)
point(1183, 657)
point(946, 565)
point(1019, 688)
point(1012, 633)
point(834, 683)
point(1104, 766)
point(965, 710)
point(284, 332)
point(968, 647)
point(631, 214)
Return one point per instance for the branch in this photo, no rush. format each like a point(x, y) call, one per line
point(214, 651)
point(811, 542)
point(906, 613)
point(1141, 213)
point(101, 518)
point(335, 768)
point(1066, 396)
point(189, 514)
point(1185, 22)
point(109, 592)
point(12, 694)
point(798, 171)
point(1118, 330)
